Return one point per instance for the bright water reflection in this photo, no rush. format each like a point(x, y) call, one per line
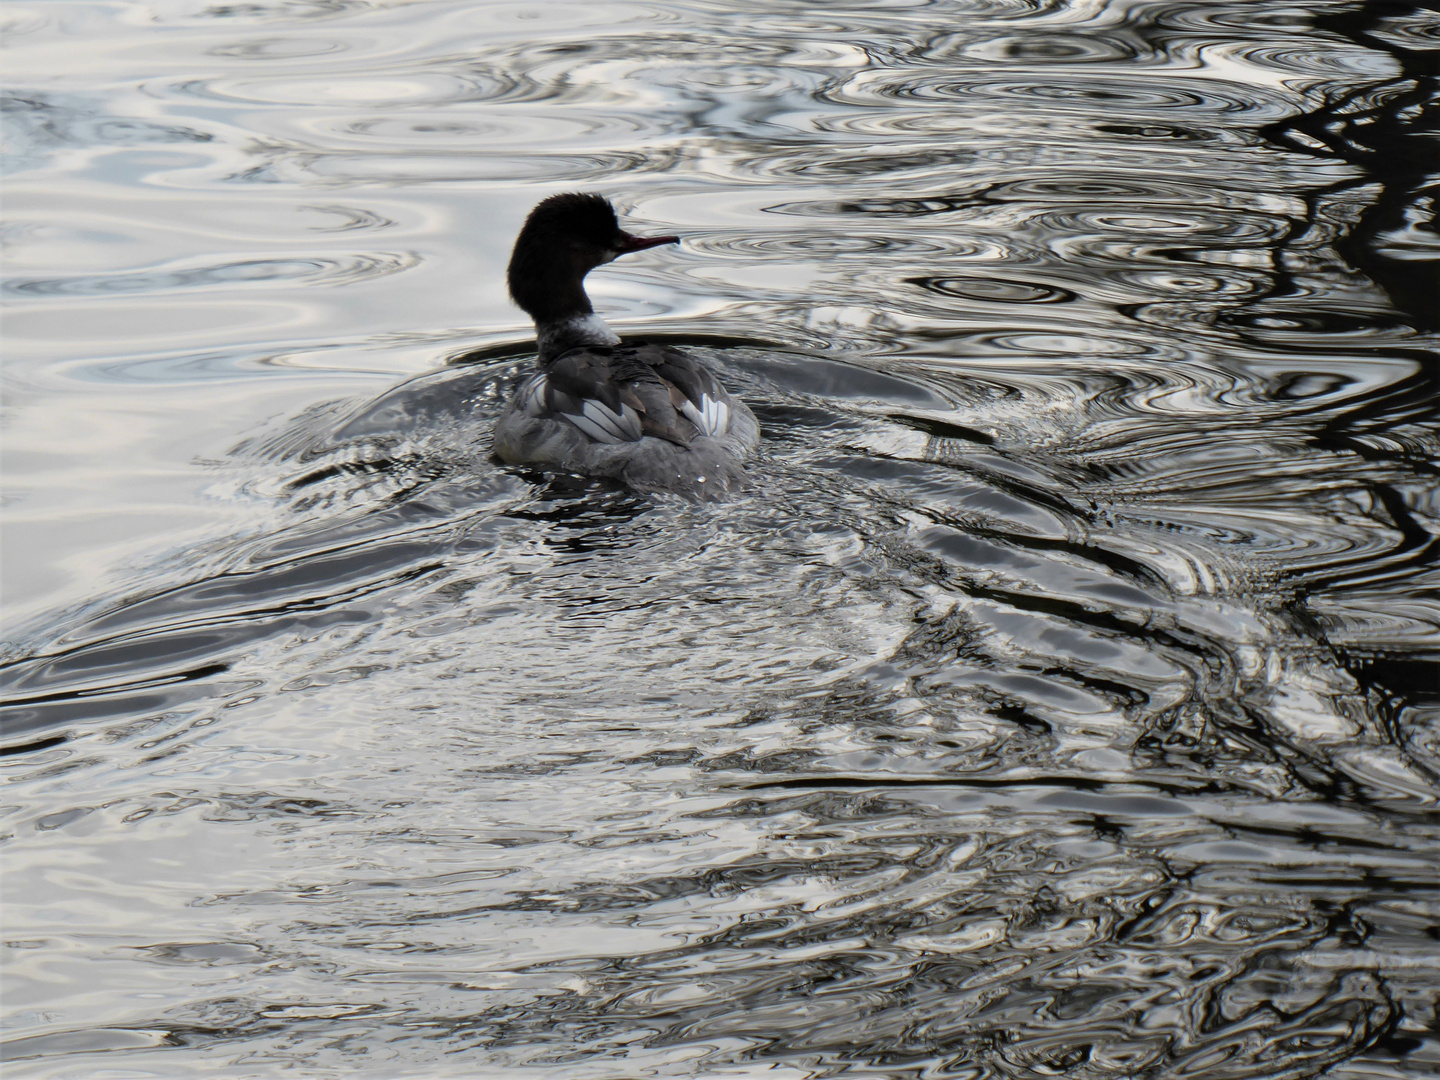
point(1062, 702)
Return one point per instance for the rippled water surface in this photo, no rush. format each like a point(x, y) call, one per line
point(1061, 702)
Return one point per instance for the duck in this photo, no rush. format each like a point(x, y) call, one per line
point(646, 414)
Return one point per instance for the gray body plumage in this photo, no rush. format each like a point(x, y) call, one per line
point(542, 425)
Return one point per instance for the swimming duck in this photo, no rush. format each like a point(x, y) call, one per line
point(648, 415)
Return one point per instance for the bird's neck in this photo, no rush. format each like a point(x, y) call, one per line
point(552, 292)
point(562, 333)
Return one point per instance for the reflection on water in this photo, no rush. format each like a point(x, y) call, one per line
point(1061, 702)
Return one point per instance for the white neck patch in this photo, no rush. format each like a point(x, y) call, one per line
point(561, 334)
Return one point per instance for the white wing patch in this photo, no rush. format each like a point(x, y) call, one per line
point(532, 395)
point(604, 424)
point(712, 417)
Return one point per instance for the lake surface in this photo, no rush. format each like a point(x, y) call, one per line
point(1062, 701)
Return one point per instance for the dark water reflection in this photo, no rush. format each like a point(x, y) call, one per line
point(1062, 702)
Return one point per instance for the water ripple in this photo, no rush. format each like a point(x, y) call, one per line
point(1137, 95)
point(327, 270)
point(1060, 701)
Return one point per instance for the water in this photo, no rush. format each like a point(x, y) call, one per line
point(1061, 702)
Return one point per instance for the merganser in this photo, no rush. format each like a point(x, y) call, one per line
point(645, 414)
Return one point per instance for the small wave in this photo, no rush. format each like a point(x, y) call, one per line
point(279, 48)
point(39, 124)
point(317, 270)
point(373, 90)
point(994, 290)
point(838, 246)
point(1158, 93)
